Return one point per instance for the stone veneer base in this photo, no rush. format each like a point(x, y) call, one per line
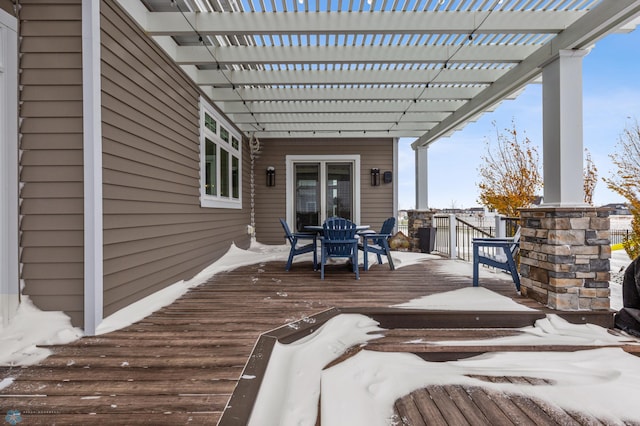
point(564, 257)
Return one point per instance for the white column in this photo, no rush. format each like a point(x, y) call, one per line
point(92, 146)
point(396, 141)
point(9, 278)
point(453, 237)
point(562, 129)
point(422, 179)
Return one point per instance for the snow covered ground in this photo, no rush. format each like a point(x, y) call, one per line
point(361, 390)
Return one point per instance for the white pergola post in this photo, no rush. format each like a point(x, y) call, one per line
point(562, 129)
point(422, 178)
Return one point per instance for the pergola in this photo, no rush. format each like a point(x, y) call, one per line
point(387, 68)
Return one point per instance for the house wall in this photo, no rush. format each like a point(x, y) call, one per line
point(7, 6)
point(51, 208)
point(376, 201)
point(155, 232)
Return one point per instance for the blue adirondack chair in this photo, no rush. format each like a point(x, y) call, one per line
point(377, 243)
point(296, 248)
point(499, 253)
point(339, 240)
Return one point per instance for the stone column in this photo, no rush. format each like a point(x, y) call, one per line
point(564, 257)
point(418, 219)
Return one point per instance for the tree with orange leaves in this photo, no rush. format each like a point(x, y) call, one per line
point(626, 182)
point(510, 175)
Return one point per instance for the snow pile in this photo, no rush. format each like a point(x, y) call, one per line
point(292, 381)
point(465, 299)
point(601, 382)
point(31, 327)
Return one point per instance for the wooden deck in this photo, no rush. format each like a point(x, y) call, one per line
point(182, 364)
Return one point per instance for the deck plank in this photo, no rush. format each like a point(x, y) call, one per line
point(180, 364)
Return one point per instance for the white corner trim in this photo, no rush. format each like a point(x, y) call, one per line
point(92, 147)
point(9, 239)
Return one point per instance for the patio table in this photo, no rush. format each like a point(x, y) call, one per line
point(318, 228)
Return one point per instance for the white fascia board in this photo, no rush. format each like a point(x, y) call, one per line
point(92, 150)
point(136, 10)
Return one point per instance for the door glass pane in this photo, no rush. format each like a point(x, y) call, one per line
point(224, 173)
point(339, 190)
point(307, 194)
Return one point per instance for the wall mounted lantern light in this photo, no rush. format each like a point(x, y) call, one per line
point(271, 176)
point(375, 177)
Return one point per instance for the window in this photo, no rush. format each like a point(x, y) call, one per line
point(220, 165)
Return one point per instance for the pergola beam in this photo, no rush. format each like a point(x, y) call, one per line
point(343, 94)
point(415, 117)
point(200, 55)
point(388, 22)
point(289, 107)
point(229, 78)
point(333, 134)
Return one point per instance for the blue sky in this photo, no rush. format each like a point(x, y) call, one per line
point(611, 101)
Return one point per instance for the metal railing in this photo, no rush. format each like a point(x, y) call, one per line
point(617, 236)
point(459, 244)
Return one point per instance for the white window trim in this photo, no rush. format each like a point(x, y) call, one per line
point(291, 159)
point(217, 201)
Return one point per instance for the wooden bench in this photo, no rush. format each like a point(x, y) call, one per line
point(499, 253)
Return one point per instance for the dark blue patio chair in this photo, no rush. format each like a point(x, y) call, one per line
point(499, 253)
point(339, 240)
point(377, 243)
point(301, 248)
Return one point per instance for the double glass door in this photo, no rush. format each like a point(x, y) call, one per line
point(322, 189)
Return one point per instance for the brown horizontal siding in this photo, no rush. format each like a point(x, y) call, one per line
point(155, 232)
point(56, 173)
point(7, 6)
point(376, 202)
point(47, 287)
point(51, 93)
point(51, 161)
point(45, 10)
point(60, 255)
point(51, 44)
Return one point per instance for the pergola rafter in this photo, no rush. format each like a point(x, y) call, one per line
point(284, 68)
